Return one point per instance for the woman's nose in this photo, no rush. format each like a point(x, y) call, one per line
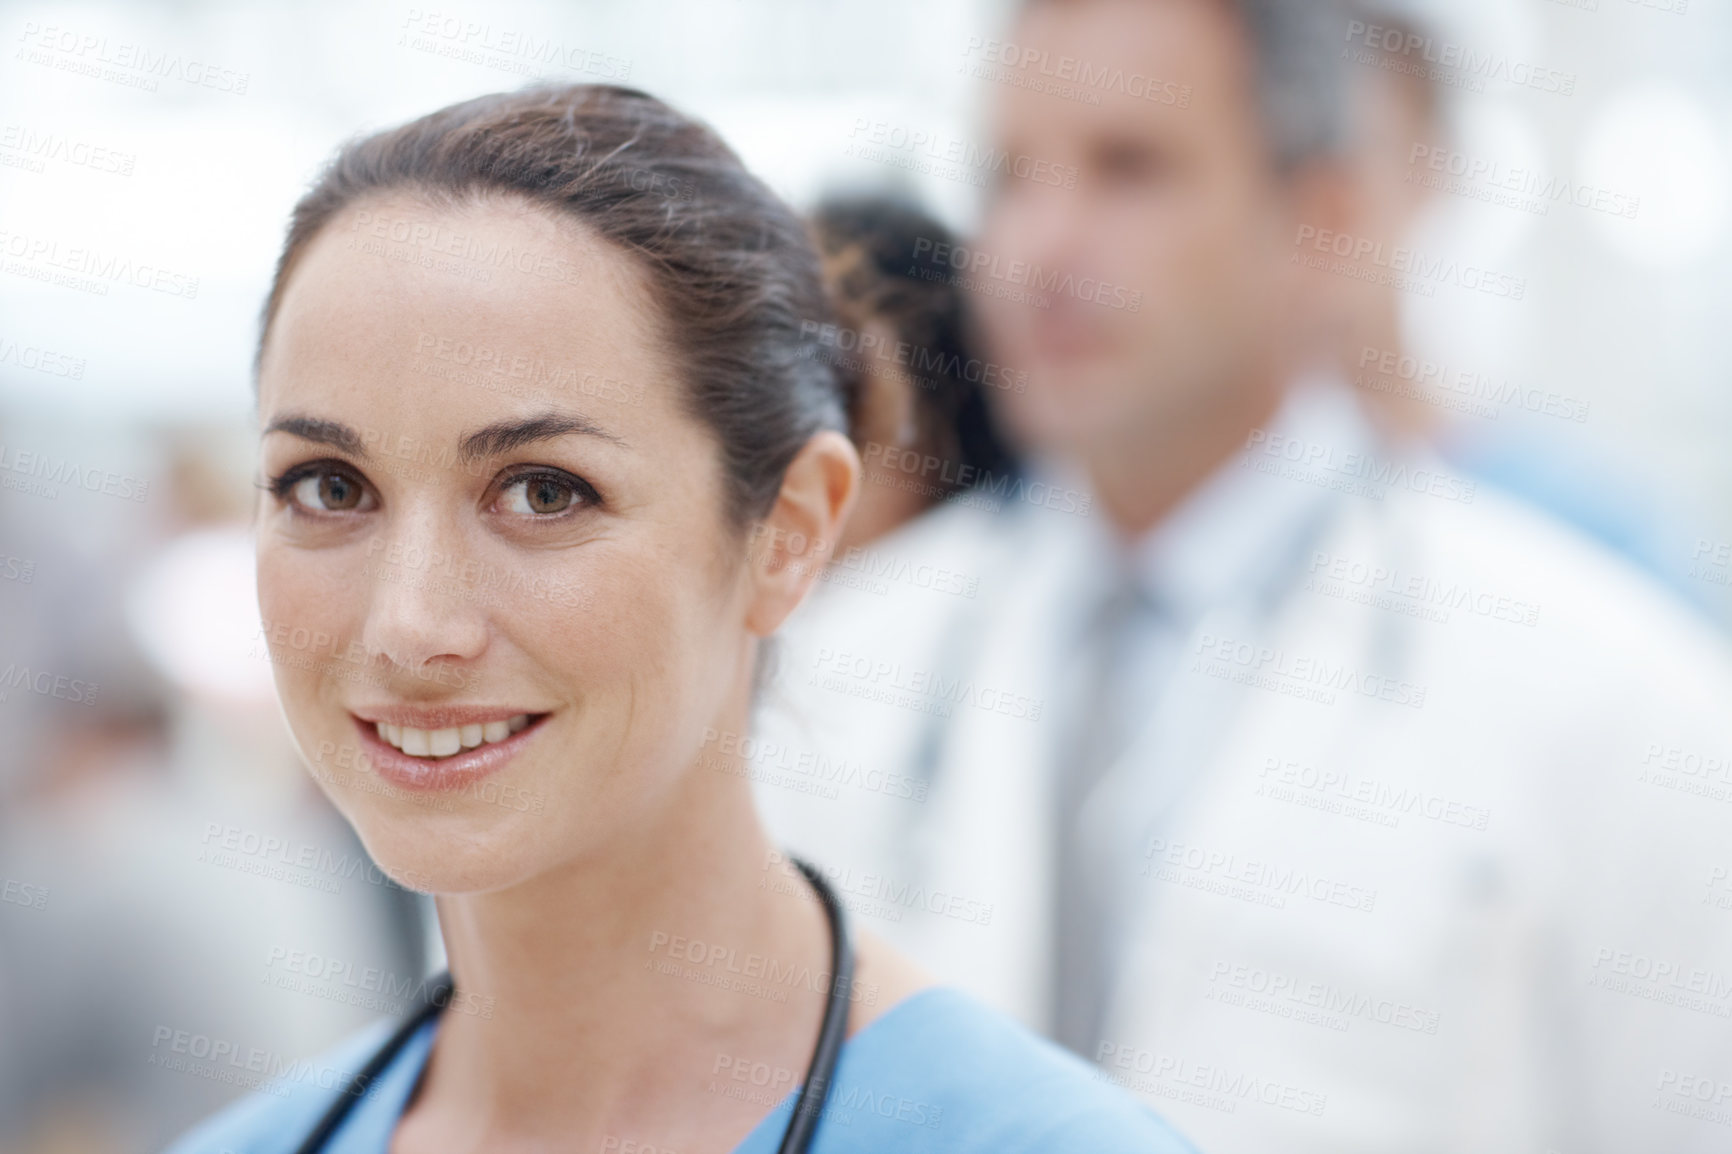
point(420, 612)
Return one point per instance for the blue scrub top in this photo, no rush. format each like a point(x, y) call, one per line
point(937, 1071)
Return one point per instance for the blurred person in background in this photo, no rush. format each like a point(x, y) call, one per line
point(1311, 789)
point(1403, 147)
point(133, 820)
point(927, 438)
point(69, 761)
point(920, 390)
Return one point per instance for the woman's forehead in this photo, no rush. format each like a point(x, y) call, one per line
point(505, 298)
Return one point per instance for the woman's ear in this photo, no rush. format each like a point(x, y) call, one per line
point(791, 544)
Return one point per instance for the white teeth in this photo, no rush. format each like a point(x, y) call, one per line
point(415, 742)
point(448, 741)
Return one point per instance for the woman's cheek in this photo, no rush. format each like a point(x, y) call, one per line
point(301, 639)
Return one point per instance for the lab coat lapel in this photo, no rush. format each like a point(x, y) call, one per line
point(988, 836)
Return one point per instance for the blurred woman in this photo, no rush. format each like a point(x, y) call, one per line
point(921, 418)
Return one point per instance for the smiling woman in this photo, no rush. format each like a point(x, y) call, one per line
point(626, 945)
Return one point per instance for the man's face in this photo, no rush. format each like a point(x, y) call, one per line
point(1157, 278)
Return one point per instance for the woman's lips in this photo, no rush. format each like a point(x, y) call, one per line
point(441, 773)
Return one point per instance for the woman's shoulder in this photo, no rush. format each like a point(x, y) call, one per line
point(288, 1101)
point(940, 1070)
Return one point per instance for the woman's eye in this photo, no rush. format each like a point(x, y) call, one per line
point(329, 492)
point(538, 494)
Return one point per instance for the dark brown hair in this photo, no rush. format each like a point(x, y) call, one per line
point(880, 264)
point(727, 263)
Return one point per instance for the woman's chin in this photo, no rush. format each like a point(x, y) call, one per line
point(423, 861)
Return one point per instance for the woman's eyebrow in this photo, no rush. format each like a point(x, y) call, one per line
point(321, 431)
point(508, 435)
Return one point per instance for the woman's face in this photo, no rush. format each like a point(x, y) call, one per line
point(503, 603)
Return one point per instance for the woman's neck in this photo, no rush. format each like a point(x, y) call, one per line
point(603, 998)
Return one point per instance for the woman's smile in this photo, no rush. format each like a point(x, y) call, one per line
point(443, 748)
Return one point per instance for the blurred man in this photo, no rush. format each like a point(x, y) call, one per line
point(1311, 790)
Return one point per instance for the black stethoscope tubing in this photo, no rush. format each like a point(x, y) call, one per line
point(802, 1126)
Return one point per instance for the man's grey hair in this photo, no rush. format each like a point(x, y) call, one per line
point(1303, 86)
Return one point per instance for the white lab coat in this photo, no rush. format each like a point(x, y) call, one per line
point(1478, 901)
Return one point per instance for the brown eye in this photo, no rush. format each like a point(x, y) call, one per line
point(538, 494)
point(338, 492)
point(547, 495)
point(330, 492)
